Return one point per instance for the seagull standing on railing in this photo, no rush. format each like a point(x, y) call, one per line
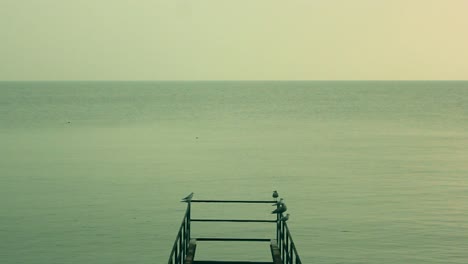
point(188, 198)
point(278, 203)
point(285, 218)
point(281, 209)
point(275, 195)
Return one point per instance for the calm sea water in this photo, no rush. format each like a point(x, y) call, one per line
point(372, 172)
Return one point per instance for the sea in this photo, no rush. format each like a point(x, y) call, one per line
point(371, 171)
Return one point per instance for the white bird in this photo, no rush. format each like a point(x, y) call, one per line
point(285, 218)
point(275, 195)
point(280, 209)
point(188, 197)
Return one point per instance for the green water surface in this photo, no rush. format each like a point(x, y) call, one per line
point(372, 172)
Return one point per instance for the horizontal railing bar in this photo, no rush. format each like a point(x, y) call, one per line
point(233, 239)
point(231, 201)
point(229, 262)
point(234, 220)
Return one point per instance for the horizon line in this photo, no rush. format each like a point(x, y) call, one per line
point(227, 80)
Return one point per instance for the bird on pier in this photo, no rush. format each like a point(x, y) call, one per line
point(188, 198)
point(278, 203)
point(285, 218)
point(281, 209)
point(275, 195)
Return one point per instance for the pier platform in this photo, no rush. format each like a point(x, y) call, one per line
point(282, 247)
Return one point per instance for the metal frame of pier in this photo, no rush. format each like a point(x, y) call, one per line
point(283, 249)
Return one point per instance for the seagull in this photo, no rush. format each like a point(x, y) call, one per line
point(275, 195)
point(285, 218)
point(188, 198)
point(280, 209)
point(278, 203)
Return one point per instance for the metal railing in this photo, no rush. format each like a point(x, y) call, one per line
point(284, 240)
point(233, 220)
point(286, 244)
point(180, 248)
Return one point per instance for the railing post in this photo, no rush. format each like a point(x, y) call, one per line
point(282, 233)
point(278, 226)
point(189, 207)
point(185, 235)
point(181, 248)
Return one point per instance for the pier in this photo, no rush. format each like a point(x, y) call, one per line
point(282, 247)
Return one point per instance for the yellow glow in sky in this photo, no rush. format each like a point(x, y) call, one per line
point(234, 40)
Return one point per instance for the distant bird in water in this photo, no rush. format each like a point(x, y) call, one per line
point(275, 195)
point(285, 218)
point(281, 209)
point(188, 198)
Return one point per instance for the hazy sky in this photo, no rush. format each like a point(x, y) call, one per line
point(233, 39)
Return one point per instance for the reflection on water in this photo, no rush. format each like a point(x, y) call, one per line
point(373, 172)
